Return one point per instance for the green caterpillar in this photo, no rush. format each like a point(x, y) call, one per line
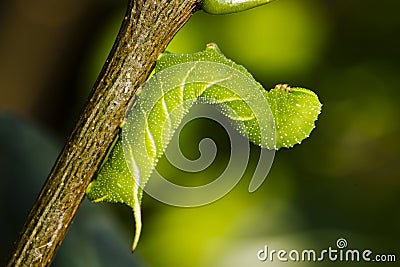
point(282, 117)
point(231, 6)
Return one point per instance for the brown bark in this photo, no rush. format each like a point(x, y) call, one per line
point(148, 27)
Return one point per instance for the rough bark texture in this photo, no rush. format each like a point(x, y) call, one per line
point(147, 29)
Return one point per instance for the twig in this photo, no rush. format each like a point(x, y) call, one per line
point(148, 27)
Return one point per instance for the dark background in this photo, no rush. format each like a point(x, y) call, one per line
point(342, 182)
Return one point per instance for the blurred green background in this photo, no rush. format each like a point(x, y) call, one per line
point(342, 182)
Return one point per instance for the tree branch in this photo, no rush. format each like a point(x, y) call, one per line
point(147, 29)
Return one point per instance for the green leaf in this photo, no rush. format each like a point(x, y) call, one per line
point(279, 118)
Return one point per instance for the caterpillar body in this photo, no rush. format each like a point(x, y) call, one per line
point(282, 117)
point(231, 6)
